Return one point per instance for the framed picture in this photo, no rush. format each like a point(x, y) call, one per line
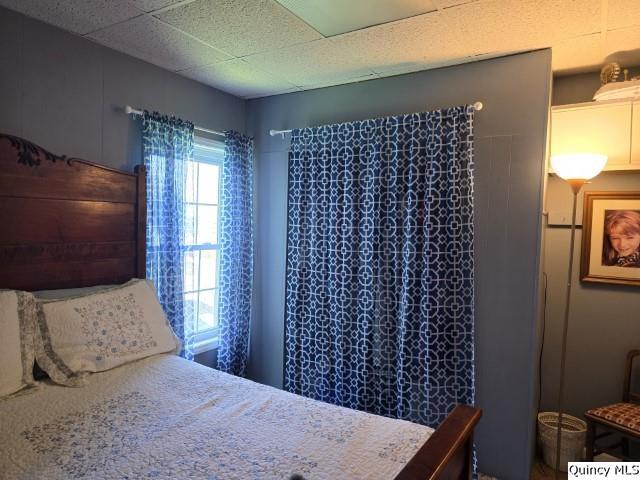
point(611, 238)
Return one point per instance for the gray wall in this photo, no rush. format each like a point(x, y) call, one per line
point(605, 319)
point(510, 147)
point(66, 94)
point(208, 358)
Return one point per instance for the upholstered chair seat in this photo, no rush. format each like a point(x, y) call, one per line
point(618, 420)
point(626, 415)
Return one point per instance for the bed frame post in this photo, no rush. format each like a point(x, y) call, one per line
point(141, 221)
point(448, 454)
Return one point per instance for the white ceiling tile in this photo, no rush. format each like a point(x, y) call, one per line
point(578, 54)
point(409, 44)
point(151, 40)
point(79, 16)
point(477, 28)
point(314, 63)
point(241, 27)
point(515, 25)
point(333, 17)
point(451, 3)
point(151, 5)
point(418, 67)
point(623, 13)
point(591, 52)
point(239, 78)
point(332, 83)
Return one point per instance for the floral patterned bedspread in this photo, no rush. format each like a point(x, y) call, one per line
point(166, 418)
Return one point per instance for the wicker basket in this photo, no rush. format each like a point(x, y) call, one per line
point(574, 432)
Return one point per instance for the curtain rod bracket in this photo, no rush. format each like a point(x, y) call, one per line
point(273, 132)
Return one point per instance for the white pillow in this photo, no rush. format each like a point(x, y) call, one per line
point(100, 331)
point(17, 328)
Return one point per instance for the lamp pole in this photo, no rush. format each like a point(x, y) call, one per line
point(576, 185)
point(575, 169)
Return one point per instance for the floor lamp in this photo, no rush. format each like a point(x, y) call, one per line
point(576, 169)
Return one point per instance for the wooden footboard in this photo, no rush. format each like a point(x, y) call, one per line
point(448, 453)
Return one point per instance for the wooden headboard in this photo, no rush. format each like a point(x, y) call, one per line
point(66, 222)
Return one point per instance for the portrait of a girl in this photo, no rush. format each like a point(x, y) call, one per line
point(621, 246)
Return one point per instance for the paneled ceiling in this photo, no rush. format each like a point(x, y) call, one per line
point(254, 48)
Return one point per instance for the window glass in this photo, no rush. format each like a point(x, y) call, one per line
point(201, 259)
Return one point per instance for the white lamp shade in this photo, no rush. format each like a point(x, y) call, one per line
point(578, 166)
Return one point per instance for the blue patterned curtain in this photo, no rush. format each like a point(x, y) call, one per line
point(379, 304)
point(167, 147)
point(236, 259)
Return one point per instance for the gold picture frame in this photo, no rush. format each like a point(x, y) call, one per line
point(611, 238)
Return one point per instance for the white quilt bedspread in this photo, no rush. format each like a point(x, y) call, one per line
point(167, 418)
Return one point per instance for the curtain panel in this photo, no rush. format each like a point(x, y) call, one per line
point(236, 258)
point(379, 282)
point(167, 145)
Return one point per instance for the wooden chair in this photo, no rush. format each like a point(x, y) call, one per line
point(622, 419)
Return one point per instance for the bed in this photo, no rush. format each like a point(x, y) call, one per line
point(70, 223)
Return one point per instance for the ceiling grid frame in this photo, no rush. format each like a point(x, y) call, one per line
point(454, 32)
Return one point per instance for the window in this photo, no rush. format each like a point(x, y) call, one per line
point(201, 237)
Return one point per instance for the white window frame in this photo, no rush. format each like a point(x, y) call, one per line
point(208, 339)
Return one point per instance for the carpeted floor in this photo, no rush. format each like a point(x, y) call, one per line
point(540, 471)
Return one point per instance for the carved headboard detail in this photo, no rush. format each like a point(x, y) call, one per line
point(66, 222)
